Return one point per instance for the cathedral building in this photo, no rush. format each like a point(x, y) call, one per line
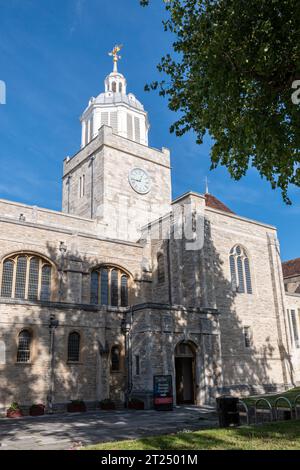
point(126, 284)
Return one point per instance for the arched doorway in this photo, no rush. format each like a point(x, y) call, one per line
point(185, 373)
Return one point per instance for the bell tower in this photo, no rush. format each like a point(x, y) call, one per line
point(115, 108)
point(116, 178)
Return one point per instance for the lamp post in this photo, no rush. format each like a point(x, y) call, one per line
point(53, 324)
point(126, 325)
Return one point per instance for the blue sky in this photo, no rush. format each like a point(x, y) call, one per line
point(53, 58)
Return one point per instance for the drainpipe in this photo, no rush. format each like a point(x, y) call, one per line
point(53, 324)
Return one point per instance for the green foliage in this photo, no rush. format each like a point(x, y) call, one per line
point(231, 75)
point(14, 406)
point(272, 436)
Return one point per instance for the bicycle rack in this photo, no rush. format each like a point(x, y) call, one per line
point(283, 409)
point(246, 411)
point(263, 410)
point(296, 406)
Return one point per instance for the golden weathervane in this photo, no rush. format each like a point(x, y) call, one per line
point(115, 54)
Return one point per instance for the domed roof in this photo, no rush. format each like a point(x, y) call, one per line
point(119, 98)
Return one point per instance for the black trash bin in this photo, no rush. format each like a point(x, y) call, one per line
point(227, 408)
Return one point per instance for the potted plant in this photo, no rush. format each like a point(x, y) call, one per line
point(136, 404)
point(37, 409)
point(14, 411)
point(107, 404)
point(76, 406)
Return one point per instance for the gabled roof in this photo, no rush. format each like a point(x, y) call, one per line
point(291, 268)
point(214, 203)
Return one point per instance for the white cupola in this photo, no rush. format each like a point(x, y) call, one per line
point(115, 108)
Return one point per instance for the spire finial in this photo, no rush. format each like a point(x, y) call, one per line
point(115, 55)
point(206, 185)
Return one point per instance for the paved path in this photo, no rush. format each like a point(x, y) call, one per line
point(64, 431)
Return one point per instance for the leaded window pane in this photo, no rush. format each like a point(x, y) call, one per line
point(73, 347)
point(23, 354)
point(248, 277)
point(114, 288)
point(95, 287)
point(7, 278)
point(240, 274)
point(21, 277)
point(233, 272)
point(295, 328)
point(104, 286)
point(33, 283)
point(124, 291)
point(46, 282)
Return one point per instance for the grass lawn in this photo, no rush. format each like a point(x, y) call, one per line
point(284, 435)
point(290, 394)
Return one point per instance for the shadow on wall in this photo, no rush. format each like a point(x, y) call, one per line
point(29, 382)
point(245, 369)
point(197, 280)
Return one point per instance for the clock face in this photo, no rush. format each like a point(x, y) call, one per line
point(139, 180)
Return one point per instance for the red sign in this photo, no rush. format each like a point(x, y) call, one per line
point(163, 401)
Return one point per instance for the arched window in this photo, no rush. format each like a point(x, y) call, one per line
point(24, 343)
point(115, 358)
point(26, 276)
point(109, 286)
point(114, 87)
point(240, 270)
point(73, 347)
point(160, 268)
point(120, 88)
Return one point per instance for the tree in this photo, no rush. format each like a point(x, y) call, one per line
point(232, 74)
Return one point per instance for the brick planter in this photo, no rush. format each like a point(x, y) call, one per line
point(37, 410)
point(14, 414)
point(107, 406)
point(76, 407)
point(132, 405)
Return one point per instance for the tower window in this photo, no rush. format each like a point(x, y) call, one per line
point(240, 270)
point(161, 268)
point(120, 88)
point(137, 129)
point(247, 336)
point(73, 347)
point(114, 87)
point(115, 359)
point(24, 343)
point(81, 186)
point(129, 127)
